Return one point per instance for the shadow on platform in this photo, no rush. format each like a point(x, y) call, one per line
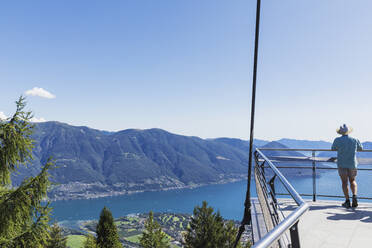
point(352, 214)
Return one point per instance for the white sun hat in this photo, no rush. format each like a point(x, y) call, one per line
point(344, 130)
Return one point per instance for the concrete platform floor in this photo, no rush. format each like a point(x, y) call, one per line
point(328, 225)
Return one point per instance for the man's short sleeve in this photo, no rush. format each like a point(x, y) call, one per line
point(334, 145)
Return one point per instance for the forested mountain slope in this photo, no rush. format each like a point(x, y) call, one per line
point(90, 160)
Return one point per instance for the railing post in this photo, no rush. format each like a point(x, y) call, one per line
point(272, 189)
point(295, 238)
point(314, 177)
point(272, 184)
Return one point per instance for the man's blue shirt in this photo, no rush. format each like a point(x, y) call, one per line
point(346, 151)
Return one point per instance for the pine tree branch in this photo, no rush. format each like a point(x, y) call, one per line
point(23, 204)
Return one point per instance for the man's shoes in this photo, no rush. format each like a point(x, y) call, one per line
point(346, 204)
point(355, 202)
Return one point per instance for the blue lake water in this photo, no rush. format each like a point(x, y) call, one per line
point(227, 198)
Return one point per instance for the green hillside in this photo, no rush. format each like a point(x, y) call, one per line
point(92, 162)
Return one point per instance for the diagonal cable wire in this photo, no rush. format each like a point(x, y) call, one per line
point(247, 204)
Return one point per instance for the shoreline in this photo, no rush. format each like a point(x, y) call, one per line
point(111, 193)
point(85, 191)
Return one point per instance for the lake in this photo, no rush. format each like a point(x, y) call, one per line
point(227, 198)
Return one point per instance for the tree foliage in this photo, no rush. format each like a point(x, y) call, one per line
point(90, 242)
point(23, 217)
point(248, 244)
point(107, 235)
point(15, 141)
point(208, 230)
point(57, 240)
point(153, 236)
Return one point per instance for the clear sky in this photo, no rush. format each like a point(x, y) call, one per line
point(186, 65)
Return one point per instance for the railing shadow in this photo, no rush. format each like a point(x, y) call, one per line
point(356, 214)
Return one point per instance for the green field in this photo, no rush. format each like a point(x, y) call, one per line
point(75, 241)
point(134, 238)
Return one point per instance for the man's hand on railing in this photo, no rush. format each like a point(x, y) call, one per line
point(333, 159)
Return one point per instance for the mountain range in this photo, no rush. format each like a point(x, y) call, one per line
point(92, 163)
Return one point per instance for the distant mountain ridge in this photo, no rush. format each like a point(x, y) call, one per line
point(278, 145)
point(93, 163)
point(305, 144)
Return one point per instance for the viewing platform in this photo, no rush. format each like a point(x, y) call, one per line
point(329, 225)
point(325, 225)
point(285, 219)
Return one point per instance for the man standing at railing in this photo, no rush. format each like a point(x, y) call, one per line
point(346, 148)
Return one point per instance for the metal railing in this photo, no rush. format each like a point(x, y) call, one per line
point(267, 194)
point(314, 167)
point(267, 198)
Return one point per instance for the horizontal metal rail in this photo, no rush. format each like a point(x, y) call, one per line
point(314, 160)
point(328, 196)
point(305, 149)
point(321, 168)
point(292, 219)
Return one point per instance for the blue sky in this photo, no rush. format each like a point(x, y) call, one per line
point(186, 65)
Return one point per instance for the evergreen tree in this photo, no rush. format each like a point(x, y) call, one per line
point(230, 232)
point(153, 236)
point(107, 235)
point(208, 230)
point(248, 244)
point(90, 242)
point(57, 240)
point(23, 217)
